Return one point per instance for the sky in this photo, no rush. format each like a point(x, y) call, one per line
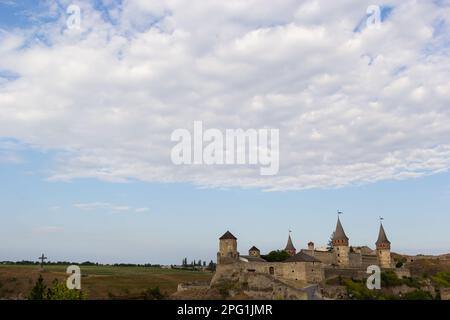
point(87, 112)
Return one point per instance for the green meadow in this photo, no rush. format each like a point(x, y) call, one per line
point(99, 282)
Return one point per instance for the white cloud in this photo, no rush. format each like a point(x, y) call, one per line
point(10, 152)
point(106, 206)
point(352, 107)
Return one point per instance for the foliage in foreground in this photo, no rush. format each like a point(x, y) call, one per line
point(442, 279)
point(58, 291)
point(357, 289)
point(154, 294)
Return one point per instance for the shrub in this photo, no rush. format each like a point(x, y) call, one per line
point(357, 290)
point(58, 291)
point(153, 294)
point(39, 290)
point(390, 279)
point(418, 295)
point(276, 256)
point(225, 286)
point(442, 279)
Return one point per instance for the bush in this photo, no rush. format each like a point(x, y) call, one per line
point(399, 264)
point(358, 291)
point(39, 290)
point(418, 295)
point(412, 282)
point(58, 291)
point(442, 279)
point(225, 286)
point(390, 279)
point(153, 294)
point(276, 256)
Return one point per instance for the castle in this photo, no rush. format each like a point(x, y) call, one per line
point(308, 266)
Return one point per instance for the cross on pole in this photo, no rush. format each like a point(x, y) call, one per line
point(42, 258)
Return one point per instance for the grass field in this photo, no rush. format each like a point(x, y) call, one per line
point(99, 282)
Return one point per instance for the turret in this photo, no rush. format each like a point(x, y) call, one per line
point(227, 249)
point(340, 246)
point(383, 249)
point(290, 249)
point(254, 252)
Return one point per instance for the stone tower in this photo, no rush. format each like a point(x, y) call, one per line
point(383, 249)
point(290, 249)
point(227, 249)
point(254, 252)
point(340, 246)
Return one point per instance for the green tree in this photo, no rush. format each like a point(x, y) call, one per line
point(330, 242)
point(276, 256)
point(212, 266)
point(39, 290)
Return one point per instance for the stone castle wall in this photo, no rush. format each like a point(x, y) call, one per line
point(368, 260)
point(263, 286)
point(309, 272)
point(324, 256)
point(354, 260)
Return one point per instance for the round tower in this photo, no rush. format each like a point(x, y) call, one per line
point(290, 249)
point(383, 249)
point(227, 249)
point(340, 246)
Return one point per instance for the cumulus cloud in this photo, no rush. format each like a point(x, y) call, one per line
point(352, 106)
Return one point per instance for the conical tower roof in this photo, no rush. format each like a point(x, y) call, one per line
point(227, 235)
point(289, 245)
point(382, 238)
point(339, 234)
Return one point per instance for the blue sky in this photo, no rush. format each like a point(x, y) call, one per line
point(86, 117)
point(40, 215)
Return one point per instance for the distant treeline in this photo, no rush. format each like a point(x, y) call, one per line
point(196, 265)
point(85, 263)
